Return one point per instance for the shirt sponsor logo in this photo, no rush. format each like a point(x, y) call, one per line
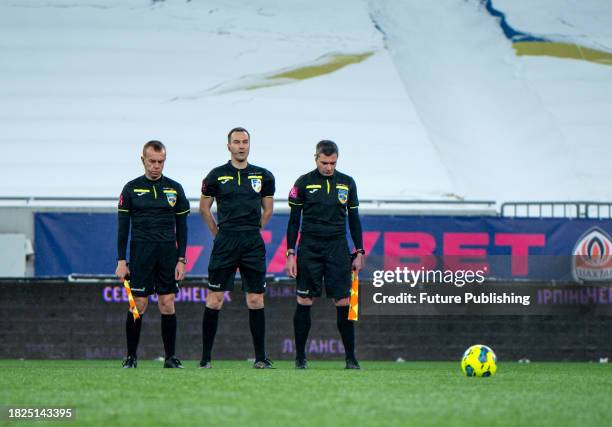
point(313, 188)
point(141, 191)
point(342, 195)
point(592, 256)
point(224, 179)
point(256, 184)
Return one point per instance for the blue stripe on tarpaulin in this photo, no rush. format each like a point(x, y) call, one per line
point(556, 45)
point(510, 248)
point(511, 33)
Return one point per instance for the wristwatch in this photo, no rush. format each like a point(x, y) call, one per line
point(289, 252)
point(183, 260)
point(360, 251)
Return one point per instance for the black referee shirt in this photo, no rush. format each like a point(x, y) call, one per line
point(152, 207)
point(324, 201)
point(238, 193)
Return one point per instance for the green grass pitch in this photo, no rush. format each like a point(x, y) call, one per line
point(381, 394)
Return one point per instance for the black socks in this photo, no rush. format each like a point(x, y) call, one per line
point(168, 330)
point(209, 330)
point(132, 333)
point(257, 323)
point(347, 331)
point(301, 327)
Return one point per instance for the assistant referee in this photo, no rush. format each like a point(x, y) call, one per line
point(323, 199)
point(157, 209)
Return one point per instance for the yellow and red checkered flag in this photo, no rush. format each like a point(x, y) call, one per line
point(133, 309)
point(353, 313)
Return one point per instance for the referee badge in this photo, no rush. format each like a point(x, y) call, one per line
point(256, 184)
point(343, 195)
point(171, 196)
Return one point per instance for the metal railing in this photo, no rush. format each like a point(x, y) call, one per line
point(557, 209)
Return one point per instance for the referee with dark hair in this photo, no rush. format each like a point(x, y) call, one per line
point(244, 195)
point(323, 199)
point(157, 208)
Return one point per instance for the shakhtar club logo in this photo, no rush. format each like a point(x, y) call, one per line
point(592, 256)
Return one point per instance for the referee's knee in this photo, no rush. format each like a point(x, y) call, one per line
point(304, 301)
point(166, 304)
point(141, 304)
point(341, 302)
point(214, 300)
point(255, 301)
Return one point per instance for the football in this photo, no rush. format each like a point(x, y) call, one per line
point(479, 361)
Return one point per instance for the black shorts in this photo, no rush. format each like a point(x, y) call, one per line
point(244, 250)
point(321, 261)
point(152, 266)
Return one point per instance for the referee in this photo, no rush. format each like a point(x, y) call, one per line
point(323, 199)
point(244, 195)
point(157, 208)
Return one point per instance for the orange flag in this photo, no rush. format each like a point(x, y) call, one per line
point(133, 309)
point(353, 313)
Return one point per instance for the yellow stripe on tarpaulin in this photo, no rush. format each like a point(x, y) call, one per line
point(324, 64)
point(562, 50)
point(329, 64)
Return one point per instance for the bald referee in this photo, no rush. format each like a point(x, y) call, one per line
point(157, 209)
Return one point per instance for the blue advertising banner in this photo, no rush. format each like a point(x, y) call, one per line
point(505, 248)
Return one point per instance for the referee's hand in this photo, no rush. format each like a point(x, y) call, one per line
point(179, 271)
point(122, 270)
point(358, 262)
point(291, 266)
